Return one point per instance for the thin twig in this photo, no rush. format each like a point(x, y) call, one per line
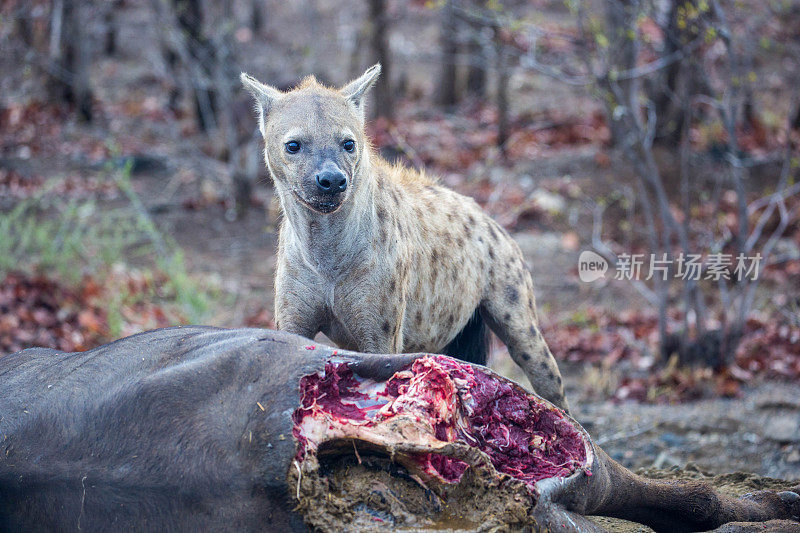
point(627, 435)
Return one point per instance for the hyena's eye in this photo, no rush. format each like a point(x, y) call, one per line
point(349, 145)
point(292, 147)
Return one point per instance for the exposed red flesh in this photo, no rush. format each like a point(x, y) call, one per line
point(522, 436)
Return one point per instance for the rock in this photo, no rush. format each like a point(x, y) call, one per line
point(787, 248)
point(724, 425)
point(778, 403)
point(547, 201)
point(538, 243)
point(139, 163)
point(783, 429)
point(673, 440)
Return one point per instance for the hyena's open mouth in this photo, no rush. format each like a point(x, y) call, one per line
point(441, 445)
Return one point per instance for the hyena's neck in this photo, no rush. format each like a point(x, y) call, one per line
point(331, 243)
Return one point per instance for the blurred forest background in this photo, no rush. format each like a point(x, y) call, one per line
point(133, 194)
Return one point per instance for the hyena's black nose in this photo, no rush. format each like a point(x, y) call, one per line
point(331, 181)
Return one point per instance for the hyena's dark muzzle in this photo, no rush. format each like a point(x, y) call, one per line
point(326, 188)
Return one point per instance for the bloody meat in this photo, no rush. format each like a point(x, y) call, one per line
point(523, 436)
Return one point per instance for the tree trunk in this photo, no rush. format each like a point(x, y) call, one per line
point(476, 71)
point(69, 80)
point(190, 21)
point(256, 18)
point(110, 41)
point(503, 73)
point(24, 28)
point(620, 19)
point(664, 90)
point(384, 101)
point(448, 93)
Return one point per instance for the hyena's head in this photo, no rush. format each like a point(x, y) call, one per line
point(314, 138)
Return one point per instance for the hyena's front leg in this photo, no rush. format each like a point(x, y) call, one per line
point(298, 308)
point(373, 318)
point(510, 310)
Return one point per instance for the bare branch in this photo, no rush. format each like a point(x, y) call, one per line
point(603, 249)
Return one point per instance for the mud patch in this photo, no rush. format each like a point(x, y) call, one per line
point(367, 490)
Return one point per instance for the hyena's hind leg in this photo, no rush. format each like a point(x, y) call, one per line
point(473, 342)
point(510, 310)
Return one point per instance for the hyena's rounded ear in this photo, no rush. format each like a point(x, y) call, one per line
point(357, 89)
point(265, 96)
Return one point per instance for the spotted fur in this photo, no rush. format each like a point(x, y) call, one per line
point(398, 263)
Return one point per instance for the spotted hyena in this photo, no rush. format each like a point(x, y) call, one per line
point(379, 257)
